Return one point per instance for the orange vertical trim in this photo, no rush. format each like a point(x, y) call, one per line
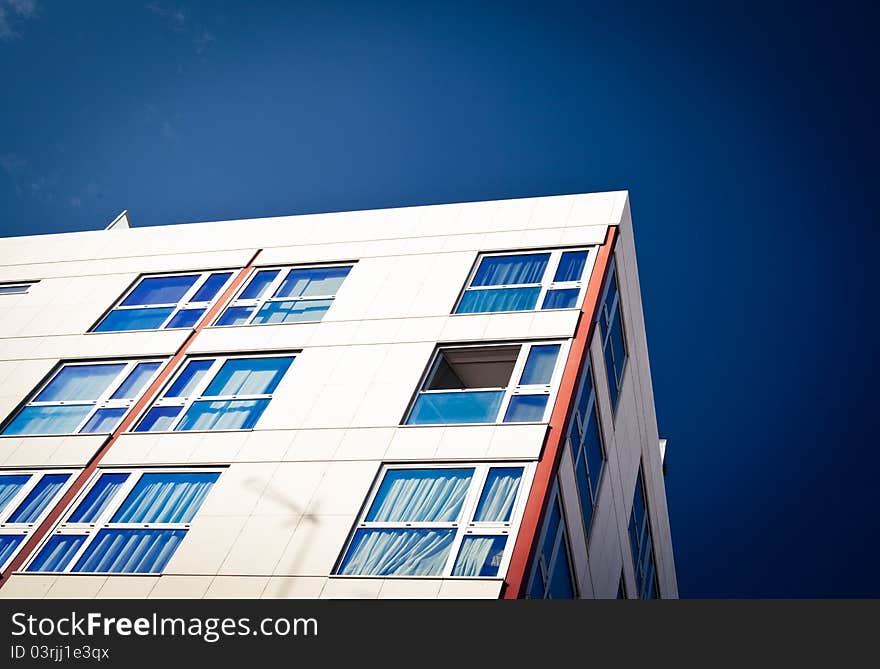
point(523, 551)
point(46, 526)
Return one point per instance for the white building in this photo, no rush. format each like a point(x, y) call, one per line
point(446, 401)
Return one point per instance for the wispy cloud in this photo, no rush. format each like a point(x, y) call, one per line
point(169, 134)
point(13, 167)
point(175, 16)
point(178, 20)
point(203, 40)
point(13, 12)
point(51, 187)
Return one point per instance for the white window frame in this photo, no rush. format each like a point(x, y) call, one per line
point(26, 529)
point(514, 388)
point(181, 305)
point(464, 525)
point(104, 401)
point(102, 522)
point(23, 286)
point(546, 284)
point(268, 294)
point(562, 541)
point(201, 386)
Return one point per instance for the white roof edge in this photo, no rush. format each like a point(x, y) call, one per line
point(617, 211)
point(662, 450)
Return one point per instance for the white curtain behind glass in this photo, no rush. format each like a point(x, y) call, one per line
point(165, 498)
point(475, 552)
point(399, 552)
point(256, 376)
point(419, 495)
point(79, 382)
point(498, 495)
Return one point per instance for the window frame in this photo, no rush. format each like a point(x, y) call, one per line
point(511, 390)
point(648, 541)
point(186, 402)
point(547, 280)
point(605, 336)
point(562, 541)
point(595, 486)
point(25, 285)
point(182, 304)
point(464, 525)
point(268, 293)
point(102, 522)
point(27, 529)
point(104, 401)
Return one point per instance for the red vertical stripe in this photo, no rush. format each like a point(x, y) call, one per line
point(45, 527)
point(523, 550)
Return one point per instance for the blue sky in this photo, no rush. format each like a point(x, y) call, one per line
point(746, 136)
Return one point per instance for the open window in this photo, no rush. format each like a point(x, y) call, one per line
point(510, 383)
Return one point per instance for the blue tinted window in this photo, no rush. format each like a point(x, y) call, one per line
point(292, 311)
point(551, 529)
point(593, 450)
point(312, 281)
point(613, 340)
point(79, 382)
point(185, 318)
point(582, 477)
point(398, 552)
point(223, 415)
point(48, 419)
point(235, 316)
point(10, 484)
point(103, 421)
point(166, 498)
point(158, 419)
point(500, 299)
point(98, 498)
point(38, 498)
point(130, 551)
point(248, 376)
point(480, 556)
point(571, 266)
point(526, 408)
point(136, 380)
point(540, 365)
point(641, 543)
point(561, 299)
point(511, 270)
point(420, 495)
point(560, 576)
point(536, 588)
point(612, 381)
point(57, 553)
point(8, 544)
point(499, 494)
point(258, 284)
point(160, 290)
point(615, 337)
point(134, 319)
point(208, 290)
point(474, 406)
point(189, 378)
